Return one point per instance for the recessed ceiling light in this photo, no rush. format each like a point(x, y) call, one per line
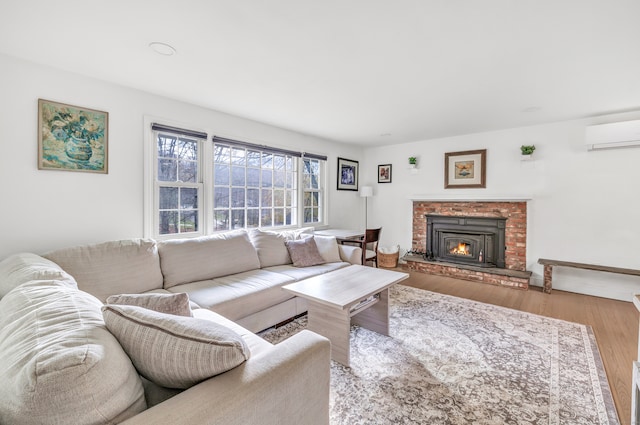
point(162, 48)
point(532, 109)
point(385, 135)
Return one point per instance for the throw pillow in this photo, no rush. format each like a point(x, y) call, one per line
point(270, 247)
point(176, 304)
point(328, 248)
point(304, 252)
point(174, 351)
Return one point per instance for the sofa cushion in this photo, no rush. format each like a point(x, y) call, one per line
point(176, 304)
point(174, 351)
point(270, 247)
point(208, 257)
point(300, 273)
point(304, 252)
point(238, 295)
point(58, 362)
point(21, 268)
point(115, 267)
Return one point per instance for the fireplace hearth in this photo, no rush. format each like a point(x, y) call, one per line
point(477, 241)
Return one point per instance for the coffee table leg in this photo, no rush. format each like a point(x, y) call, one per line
point(334, 324)
point(376, 317)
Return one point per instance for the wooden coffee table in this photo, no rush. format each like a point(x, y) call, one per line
point(354, 294)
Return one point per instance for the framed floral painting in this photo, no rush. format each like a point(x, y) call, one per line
point(72, 138)
point(465, 169)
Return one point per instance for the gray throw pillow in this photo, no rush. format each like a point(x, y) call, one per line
point(304, 252)
point(177, 304)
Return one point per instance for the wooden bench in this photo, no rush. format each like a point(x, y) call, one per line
point(548, 270)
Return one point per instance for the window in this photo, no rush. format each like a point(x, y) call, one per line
point(201, 187)
point(253, 188)
point(312, 198)
point(258, 186)
point(178, 182)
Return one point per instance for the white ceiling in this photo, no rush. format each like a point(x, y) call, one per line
point(369, 72)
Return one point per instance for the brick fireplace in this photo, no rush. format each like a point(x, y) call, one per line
point(511, 215)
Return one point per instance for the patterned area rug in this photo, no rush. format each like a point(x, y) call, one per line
point(454, 361)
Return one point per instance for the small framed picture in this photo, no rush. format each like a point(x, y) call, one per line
point(465, 170)
point(384, 173)
point(347, 174)
point(72, 138)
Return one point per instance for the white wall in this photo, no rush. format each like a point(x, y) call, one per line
point(585, 206)
point(42, 210)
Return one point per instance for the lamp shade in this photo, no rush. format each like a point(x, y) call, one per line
point(366, 191)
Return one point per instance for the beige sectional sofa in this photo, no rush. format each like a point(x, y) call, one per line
point(65, 357)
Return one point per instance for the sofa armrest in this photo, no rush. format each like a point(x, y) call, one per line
point(288, 385)
point(350, 253)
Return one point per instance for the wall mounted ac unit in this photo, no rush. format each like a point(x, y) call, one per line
point(614, 135)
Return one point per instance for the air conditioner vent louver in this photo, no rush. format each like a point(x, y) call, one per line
point(614, 135)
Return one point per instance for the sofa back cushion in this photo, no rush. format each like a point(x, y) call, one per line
point(110, 268)
point(270, 245)
point(58, 362)
point(207, 257)
point(21, 268)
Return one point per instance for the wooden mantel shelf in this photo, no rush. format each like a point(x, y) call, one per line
point(471, 197)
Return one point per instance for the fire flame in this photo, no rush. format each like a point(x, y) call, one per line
point(461, 249)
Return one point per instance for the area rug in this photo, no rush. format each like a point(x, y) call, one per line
point(450, 360)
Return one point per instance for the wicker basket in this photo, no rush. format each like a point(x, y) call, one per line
point(388, 260)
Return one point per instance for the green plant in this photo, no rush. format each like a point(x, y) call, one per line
point(527, 149)
point(413, 160)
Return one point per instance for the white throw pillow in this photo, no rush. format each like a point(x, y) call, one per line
point(174, 351)
point(328, 248)
point(176, 304)
point(270, 247)
point(58, 362)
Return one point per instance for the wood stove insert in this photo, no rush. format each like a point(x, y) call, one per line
point(478, 241)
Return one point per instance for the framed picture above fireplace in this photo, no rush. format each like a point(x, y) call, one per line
point(465, 169)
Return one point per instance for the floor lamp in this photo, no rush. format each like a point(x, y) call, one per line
point(366, 192)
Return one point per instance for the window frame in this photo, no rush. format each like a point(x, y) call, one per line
point(206, 183)
point(297, 187)
point(199, 185)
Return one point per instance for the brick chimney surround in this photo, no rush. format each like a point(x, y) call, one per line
point(513, 208)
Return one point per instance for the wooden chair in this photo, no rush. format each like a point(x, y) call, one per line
point(369, 245)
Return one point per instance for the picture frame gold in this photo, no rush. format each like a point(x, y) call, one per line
point(465, 169)
point(72, 138)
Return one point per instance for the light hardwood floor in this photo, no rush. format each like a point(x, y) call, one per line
point(615, 323)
